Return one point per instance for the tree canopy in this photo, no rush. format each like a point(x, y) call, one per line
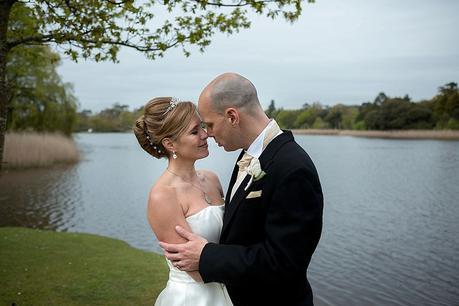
point(97, 29)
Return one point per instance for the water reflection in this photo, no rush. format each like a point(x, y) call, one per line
point(390, 222)
point(40, 198)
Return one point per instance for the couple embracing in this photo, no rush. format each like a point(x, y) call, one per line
point(252, 245)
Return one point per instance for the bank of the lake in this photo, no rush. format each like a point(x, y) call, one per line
point(52, 268)
point(396, 134)
point(33, 149)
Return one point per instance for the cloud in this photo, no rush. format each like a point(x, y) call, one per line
point(339, 51)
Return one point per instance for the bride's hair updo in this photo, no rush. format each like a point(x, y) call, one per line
point(163, 117)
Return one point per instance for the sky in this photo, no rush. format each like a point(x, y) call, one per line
point(337, 52)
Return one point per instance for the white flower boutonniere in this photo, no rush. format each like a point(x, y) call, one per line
point(255, 171)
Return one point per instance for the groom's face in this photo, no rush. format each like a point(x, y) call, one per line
point(217, 126)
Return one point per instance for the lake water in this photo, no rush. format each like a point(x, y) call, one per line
point(391, 229)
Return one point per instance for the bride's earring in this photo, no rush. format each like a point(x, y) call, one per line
point(174, 156)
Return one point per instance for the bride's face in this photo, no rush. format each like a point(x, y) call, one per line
point(192, 144)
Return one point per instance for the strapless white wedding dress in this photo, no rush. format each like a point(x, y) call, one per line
point(181, 289)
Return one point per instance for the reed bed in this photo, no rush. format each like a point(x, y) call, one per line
point(399, 134)
point(25, 150)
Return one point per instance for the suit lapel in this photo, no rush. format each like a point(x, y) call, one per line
point(232, 180)
point(269, 153)
point(265, 161)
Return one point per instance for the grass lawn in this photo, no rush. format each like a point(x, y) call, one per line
point(49, 268)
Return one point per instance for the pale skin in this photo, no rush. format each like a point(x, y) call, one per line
point(177, 193)
point(233, 129)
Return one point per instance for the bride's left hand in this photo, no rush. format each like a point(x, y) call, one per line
point(185, 256)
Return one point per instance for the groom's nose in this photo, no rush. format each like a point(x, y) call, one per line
point(204, 134)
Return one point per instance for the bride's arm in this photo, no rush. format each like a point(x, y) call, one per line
point(164, 213)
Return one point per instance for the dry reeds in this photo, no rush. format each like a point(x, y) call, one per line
point(399, 134)
point(23, 150)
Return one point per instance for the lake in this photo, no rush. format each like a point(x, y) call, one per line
point(391, 230)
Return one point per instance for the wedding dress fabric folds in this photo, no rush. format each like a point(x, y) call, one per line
point(181, 289)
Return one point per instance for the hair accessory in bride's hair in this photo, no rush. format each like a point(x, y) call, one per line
point(149, 138)
point(172, 104)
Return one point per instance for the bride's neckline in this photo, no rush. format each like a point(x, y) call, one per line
point(205, 208)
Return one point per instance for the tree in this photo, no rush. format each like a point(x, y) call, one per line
point(380, 98)
point(446, 106)
point(39, 100)
point(308, 115)
point(335, 116)
point(271, 109)
point(287, 118)
point(98, 28)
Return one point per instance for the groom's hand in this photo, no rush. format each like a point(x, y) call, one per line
point(185, 256)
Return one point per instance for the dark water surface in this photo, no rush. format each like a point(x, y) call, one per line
point(391, 215)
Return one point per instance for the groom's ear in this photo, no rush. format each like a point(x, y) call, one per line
point(232, 115)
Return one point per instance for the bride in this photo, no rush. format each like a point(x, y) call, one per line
point(182, 195)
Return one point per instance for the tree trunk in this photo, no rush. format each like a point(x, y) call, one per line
point(5, 9)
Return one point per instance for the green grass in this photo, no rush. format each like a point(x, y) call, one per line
point(49, 268)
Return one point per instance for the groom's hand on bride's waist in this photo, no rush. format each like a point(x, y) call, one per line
point(185, 256)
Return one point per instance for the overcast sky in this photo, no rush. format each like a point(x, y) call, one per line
point(338, 52)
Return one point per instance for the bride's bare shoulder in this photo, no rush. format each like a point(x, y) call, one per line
point(162, 195)
point(165, 212)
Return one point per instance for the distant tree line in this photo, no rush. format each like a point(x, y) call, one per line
point(116, 118)
point(49, 105)
point(384, 113)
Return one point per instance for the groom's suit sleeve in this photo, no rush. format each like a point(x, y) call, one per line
point(292, 230)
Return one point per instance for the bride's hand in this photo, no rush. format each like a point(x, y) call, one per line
point(185, 256)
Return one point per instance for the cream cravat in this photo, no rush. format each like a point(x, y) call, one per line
point(243, 163)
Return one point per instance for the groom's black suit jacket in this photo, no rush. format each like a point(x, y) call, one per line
point(267, 242)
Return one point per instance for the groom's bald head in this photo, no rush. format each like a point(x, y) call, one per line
point(232, 90)
point(230, 109)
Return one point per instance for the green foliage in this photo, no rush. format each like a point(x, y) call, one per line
point(384, 113)
point(349, 115)
point(308, 115)
point(40, 101)
point(396, 114)
point(286, 118)
point(97, 29)
point(453, 124)
point(446, 105)
point(271, 111)
point(360, 126)
point(335, 116)
point(319, 123)
point(117, 118)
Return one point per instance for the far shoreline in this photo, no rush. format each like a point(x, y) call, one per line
point(394, 134)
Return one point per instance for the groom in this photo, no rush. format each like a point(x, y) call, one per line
point(273, 207)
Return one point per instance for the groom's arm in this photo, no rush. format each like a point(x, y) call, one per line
point(293, 227)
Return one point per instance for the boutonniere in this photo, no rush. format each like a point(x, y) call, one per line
point(255, 171)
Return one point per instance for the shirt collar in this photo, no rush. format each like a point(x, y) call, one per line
point(256, 148)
